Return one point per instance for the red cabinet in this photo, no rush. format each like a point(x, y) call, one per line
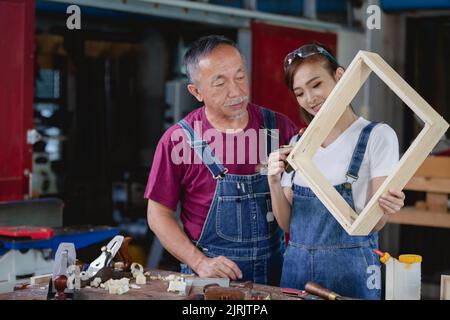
point(270, 44)
point(16, 95)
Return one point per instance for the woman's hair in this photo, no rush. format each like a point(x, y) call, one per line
point(330, 64)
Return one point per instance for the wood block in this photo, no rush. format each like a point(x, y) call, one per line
point(445, 287)
point(41, 279)
point(437, 202)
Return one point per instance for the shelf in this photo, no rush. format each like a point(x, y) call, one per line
point(413, 216)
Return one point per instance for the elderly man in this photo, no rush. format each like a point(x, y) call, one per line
point(211, 162)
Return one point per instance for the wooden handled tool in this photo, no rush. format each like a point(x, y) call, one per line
point(125, 254)
point(314, 288)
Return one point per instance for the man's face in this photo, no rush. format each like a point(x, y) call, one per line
point(220, 81)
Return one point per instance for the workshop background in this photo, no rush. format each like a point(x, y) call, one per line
point(81, 111)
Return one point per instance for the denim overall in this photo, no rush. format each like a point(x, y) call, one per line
point(320, 250)
point(240, 224)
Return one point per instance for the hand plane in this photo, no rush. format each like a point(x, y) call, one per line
point(59, 287)
point(102, 266)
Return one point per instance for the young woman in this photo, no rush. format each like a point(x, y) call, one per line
point(356, 158)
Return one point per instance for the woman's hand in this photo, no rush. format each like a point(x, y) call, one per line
point(392, 202)
point(276, 164)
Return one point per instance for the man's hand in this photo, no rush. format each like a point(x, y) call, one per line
point(218, 267)
point(276, 164)
point(392, 202)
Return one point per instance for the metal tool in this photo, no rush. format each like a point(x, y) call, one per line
point(287, 168)
point(105, 259)
point(201, 282)
point(64, 258)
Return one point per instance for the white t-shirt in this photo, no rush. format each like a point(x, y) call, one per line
point(379, 160)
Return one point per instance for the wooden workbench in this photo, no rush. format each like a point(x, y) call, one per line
point(152, 290)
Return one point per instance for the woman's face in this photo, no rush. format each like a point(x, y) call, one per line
point(312, 84)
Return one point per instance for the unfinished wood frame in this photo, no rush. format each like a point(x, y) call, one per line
point(340, 97)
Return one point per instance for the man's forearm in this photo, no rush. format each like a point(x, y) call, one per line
point(174, 239)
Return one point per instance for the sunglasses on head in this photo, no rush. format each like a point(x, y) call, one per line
point(307, 51)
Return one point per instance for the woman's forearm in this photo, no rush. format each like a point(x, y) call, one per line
point(280, 206)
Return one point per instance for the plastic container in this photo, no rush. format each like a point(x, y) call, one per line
point(403, 276)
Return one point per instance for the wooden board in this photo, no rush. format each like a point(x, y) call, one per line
point(413, 216)
point(424, 184)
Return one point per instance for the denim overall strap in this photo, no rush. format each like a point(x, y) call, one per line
point(270, 126)
point(204, 151)
point(358, 153)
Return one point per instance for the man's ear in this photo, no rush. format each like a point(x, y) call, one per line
point(195, 92)
point(339, 73)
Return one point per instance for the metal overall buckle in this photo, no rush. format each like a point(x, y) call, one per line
point(221, 174)
point(350, 179)
point(197, 143)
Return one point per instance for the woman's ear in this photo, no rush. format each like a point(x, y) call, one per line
point(339, 73)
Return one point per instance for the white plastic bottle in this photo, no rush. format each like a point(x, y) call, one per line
point(403, 276)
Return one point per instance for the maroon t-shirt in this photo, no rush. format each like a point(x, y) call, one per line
point(178, 174)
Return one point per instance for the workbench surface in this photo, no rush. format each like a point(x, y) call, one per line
point(152, 290)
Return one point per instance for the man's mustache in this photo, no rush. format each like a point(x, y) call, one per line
point(236, 101)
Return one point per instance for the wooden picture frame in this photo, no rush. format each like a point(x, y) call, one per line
point(445, 287)
point(334, 106)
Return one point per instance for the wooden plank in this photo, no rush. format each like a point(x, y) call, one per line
point(334, 106)
point(42, 279)
point(412, 216)
point(435, 166)
point(438, 185)
point(445, 287)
